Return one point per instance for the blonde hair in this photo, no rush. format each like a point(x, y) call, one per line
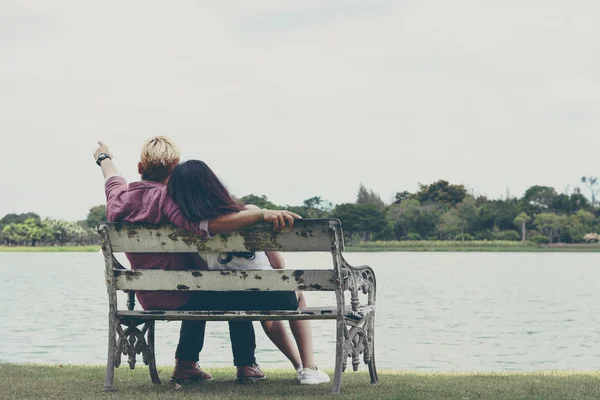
point(159, 157)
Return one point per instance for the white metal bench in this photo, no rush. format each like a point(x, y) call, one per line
point(131, 332)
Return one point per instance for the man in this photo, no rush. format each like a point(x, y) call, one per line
point(147, 202)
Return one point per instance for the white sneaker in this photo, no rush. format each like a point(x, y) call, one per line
point(313, 376)
point(299, 372)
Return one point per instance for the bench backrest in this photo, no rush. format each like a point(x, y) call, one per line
point(307, 235)
point(323, 235)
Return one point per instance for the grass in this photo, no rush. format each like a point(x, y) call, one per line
point(52, 249)
point(25, 381)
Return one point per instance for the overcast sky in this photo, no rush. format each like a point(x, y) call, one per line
point(294, 99)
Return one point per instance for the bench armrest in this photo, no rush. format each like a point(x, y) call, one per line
point(359, 279)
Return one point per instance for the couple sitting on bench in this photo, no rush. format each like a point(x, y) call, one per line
point(190, 196)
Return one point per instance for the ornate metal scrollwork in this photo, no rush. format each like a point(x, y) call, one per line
point(359, 340)
point(132, 341)
point(361, 280)
point(359, 328)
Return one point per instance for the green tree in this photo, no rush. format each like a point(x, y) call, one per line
point(14, 219)
point(401, 196)
point(411, 217)
point(15, 234)
point(37, 231)
point(403, 216)
point(578, 201)
point(521, 221)
point(18, 218)
point(314, 207)
point(65, 231)
point(539, 199)
point(592, 183)
point(495, 215)
point(441, 192)
point(365, 196)
point(551, 225)
point(450, 224)
point(96, 216)
point(580, 223)
point(569, 204)
point(467, 212)
point(361, 221)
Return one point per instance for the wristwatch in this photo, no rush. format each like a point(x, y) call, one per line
point(103, 156)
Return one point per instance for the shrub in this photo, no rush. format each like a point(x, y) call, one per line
point(539, 239)
point(484, 235)
point(463, 237)
point(508, 235)
point(412, 236)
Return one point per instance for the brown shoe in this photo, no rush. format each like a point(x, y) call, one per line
point(186, 371)
point(250, 374)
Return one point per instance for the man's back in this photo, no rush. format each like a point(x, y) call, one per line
point(147, 202)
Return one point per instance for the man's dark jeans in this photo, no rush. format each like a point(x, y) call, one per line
point(241, 333)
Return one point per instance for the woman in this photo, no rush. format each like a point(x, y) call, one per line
point(200, 196)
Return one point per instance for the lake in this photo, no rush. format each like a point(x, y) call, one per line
point(436, 312)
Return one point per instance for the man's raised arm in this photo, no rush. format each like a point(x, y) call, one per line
point(103, 156)
point(114, 185)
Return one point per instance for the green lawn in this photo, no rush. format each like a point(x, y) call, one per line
point(25, 381)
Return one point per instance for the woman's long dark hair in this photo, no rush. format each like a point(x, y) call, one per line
point(199, 192)
point(201, 195)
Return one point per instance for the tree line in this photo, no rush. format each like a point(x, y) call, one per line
point(445, 211)
point(437, 211)
point(28, 229)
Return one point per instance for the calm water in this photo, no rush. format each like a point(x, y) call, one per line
point(436, 312)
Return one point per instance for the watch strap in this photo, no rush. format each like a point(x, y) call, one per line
point(101, 157)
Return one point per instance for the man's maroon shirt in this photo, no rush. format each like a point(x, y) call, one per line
point(148, 202)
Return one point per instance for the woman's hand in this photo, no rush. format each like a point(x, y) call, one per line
point(280, 219)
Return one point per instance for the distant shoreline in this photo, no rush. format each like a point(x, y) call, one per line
point(467, 249)
point(49, 249)
point(412, 247)
point(473, 246)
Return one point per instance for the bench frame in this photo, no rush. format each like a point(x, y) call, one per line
point(132, 332)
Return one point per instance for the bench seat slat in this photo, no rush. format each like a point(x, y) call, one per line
point(307, 235)
point(253, 280)
point(307, 313)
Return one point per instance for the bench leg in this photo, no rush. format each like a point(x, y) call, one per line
point(152, 356)
point(372, 367)
point(339, 355)
point(112, 353)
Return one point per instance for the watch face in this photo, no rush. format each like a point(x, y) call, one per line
point(102, 157)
